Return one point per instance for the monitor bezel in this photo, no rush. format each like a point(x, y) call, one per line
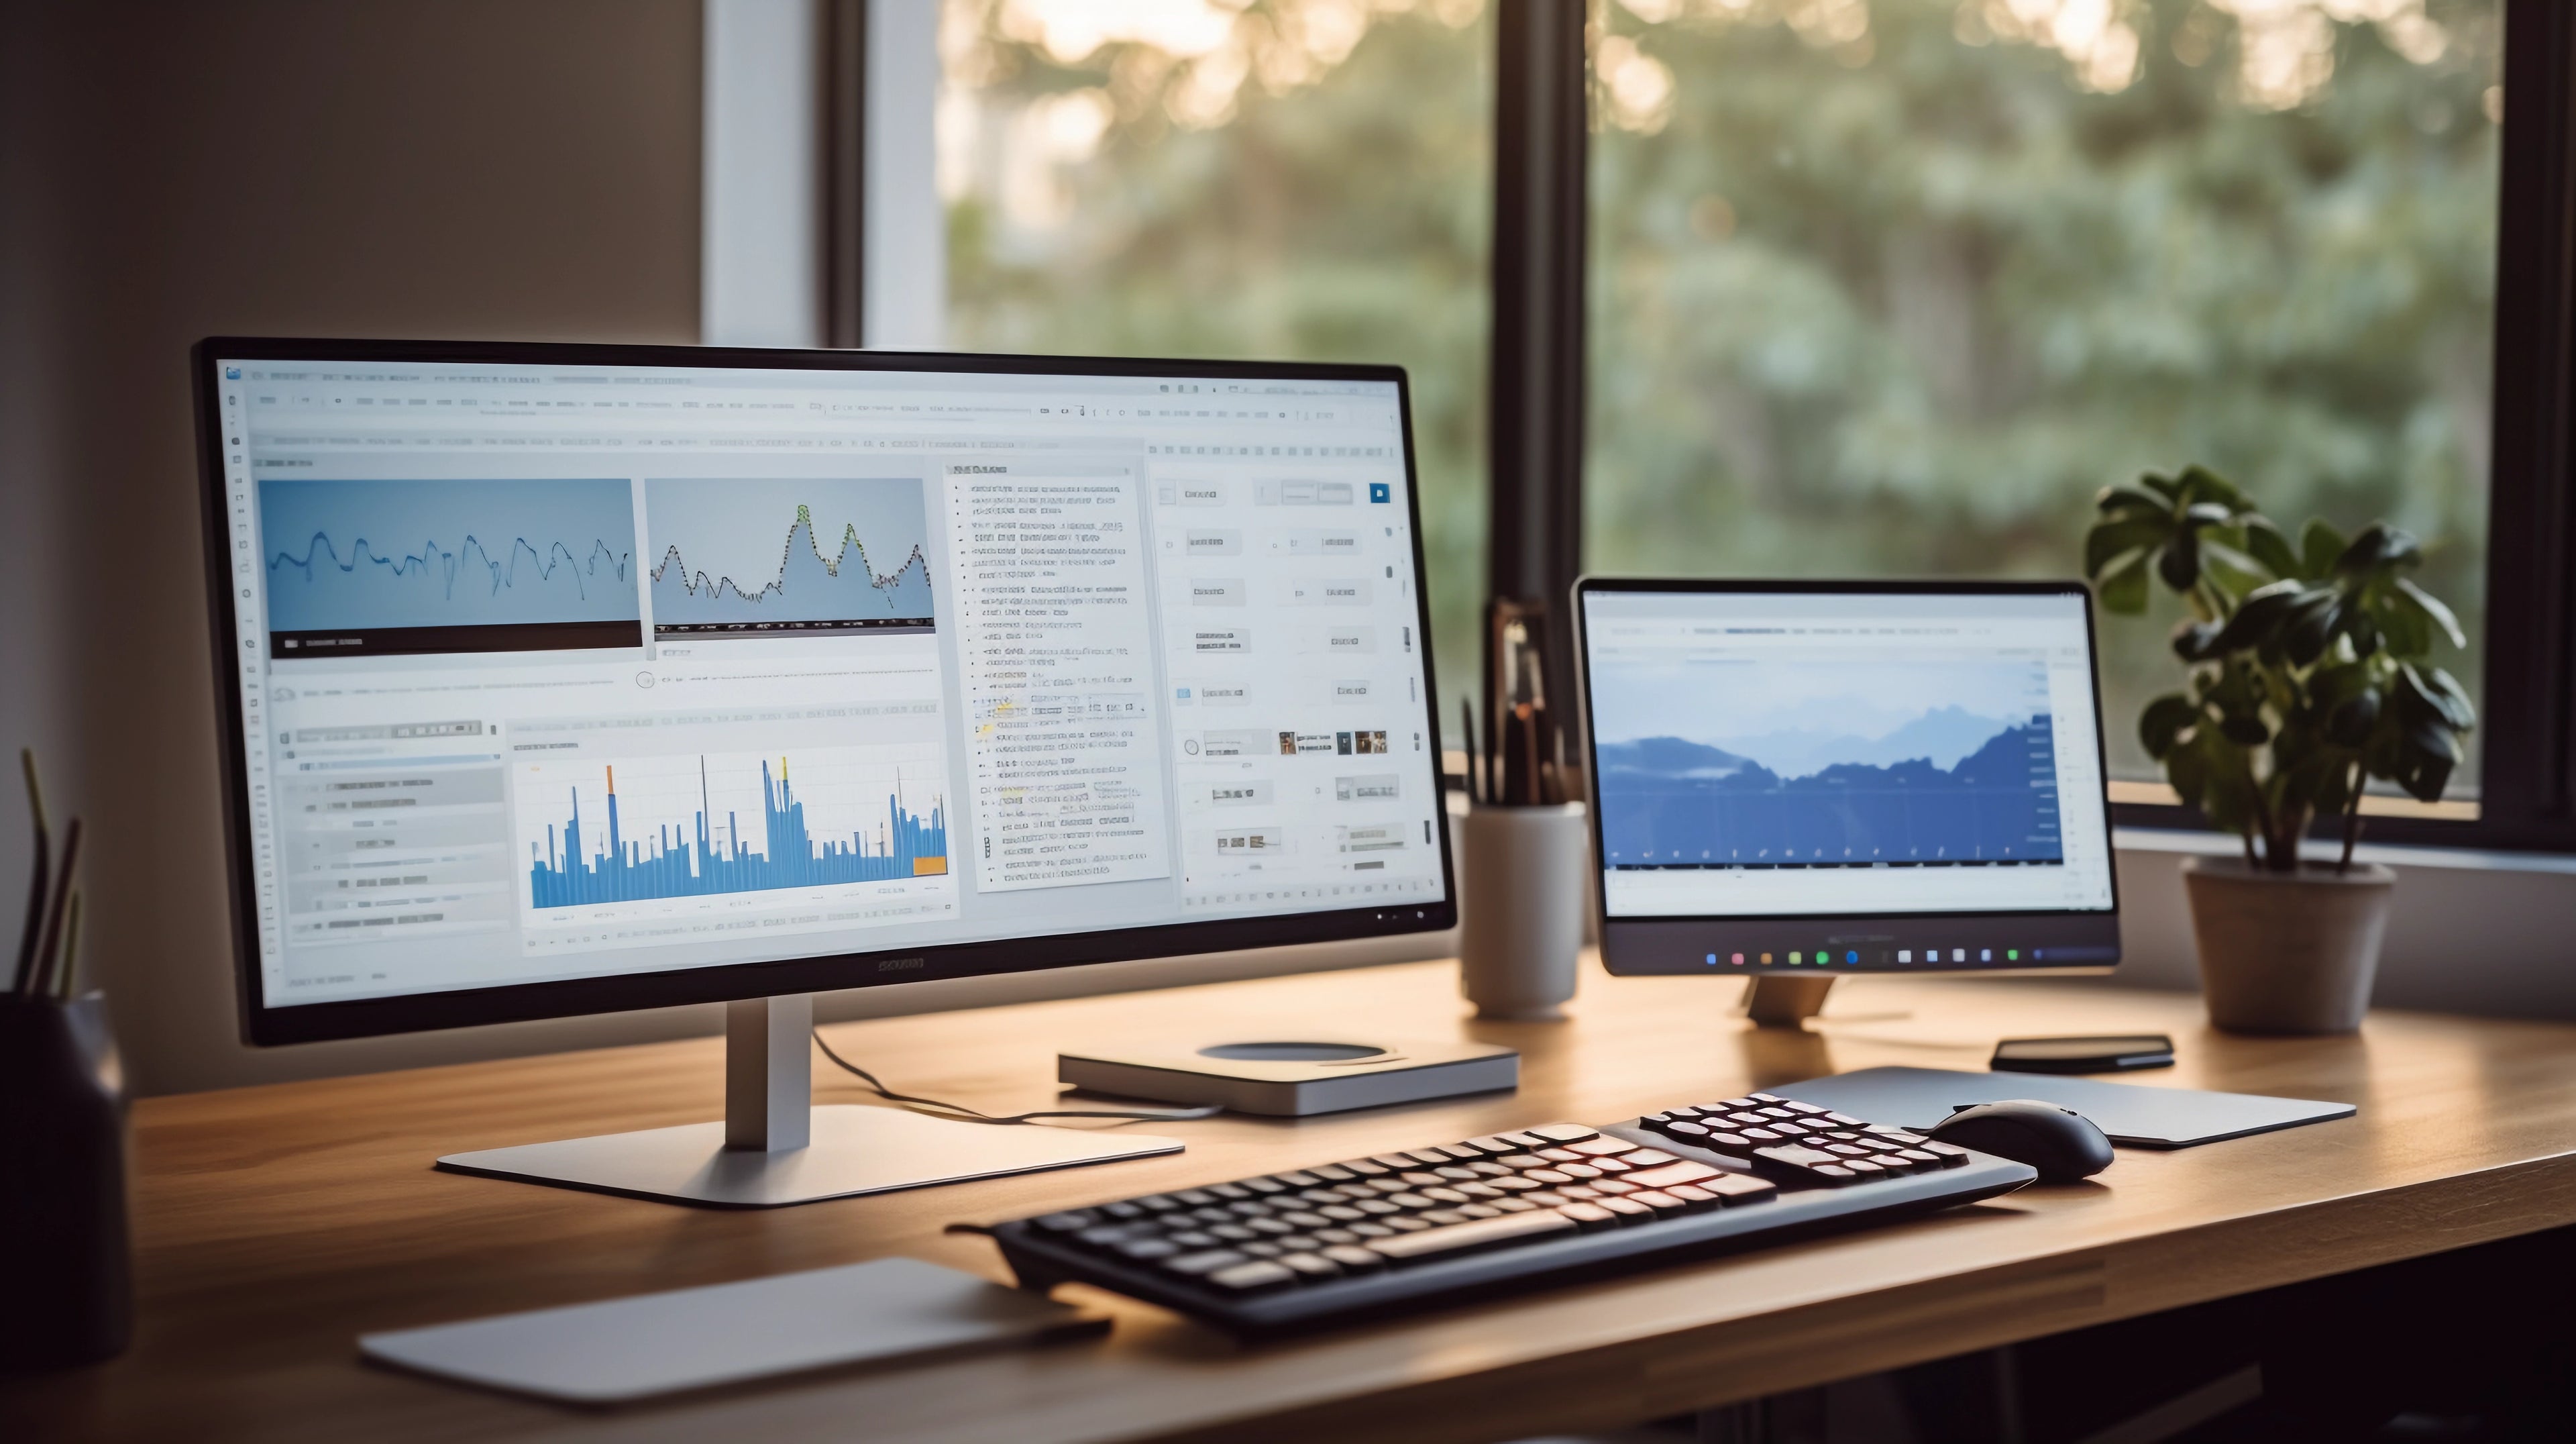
point(264, 1024)
point(1607, 927)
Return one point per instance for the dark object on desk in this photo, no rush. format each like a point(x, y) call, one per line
point(66, 1289)
point(622, 1351)
point(2140, 1117)
point(2123, 1054)
point(1345, 1241)
point(2061, 1143)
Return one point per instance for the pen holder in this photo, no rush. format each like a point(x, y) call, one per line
point(1525, 875)
point(66, 1290)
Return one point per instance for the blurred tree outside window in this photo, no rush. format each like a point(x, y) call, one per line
point(1891, 287)
point(1245, 179)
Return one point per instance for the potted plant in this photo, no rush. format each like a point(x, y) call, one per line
point(2308, 676)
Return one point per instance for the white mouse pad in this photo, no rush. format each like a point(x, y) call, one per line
point(2142, 1117)
point(624, 1350)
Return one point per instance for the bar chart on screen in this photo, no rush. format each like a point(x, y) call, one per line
point(663, 829)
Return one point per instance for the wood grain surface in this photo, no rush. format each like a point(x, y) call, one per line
point(276, 1224)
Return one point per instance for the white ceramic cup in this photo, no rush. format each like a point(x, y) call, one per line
point(1524, 886)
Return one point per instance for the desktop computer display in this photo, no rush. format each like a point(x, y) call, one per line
point(1805, 779)
point(572, 678)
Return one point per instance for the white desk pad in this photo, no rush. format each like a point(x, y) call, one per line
point(625, 1350)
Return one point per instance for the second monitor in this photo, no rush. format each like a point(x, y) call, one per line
point(1797, 780)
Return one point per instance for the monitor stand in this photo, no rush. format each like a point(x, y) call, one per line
point(1777, 1000)
point(775, 1147)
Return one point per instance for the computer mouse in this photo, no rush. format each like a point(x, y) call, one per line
point(2061, 1143)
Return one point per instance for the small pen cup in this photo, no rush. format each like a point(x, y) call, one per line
point(66, 1292)
point(1525, 881)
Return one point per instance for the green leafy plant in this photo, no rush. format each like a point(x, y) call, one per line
point(2307, 660)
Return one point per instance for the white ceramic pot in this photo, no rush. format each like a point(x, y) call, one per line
point(2287, 952)
point(1524, 875)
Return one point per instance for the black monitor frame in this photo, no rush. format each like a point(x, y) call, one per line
point(1683, 944)
point(264, 1025)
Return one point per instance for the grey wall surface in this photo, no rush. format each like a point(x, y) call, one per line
point(482, 168)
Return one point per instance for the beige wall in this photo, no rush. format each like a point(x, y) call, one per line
point(469, 168)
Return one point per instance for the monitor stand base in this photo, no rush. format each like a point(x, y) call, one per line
point(1783, 1001)
point(775, 1148)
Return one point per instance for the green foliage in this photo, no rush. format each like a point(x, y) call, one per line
point(1898, 306)
point(2307, 668)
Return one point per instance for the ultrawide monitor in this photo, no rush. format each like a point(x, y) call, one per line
point(571, 678)
point(1811, 778)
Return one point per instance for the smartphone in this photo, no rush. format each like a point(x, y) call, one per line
point(2121, 1054)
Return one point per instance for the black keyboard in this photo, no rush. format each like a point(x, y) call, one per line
point(1368, 1236)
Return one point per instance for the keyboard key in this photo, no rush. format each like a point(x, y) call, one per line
point(1950, 1154)
point(1443, 1217)
point(1920, 1158)
point(1231, 1191)
point(1357, 1260)
point(1612, 1187)
point(1490, 1144)
point(1868, 1170)
point(1194, 1264)
point(1548, 1175)
point(1564, 1132)
point(1265, 1186)
point(1146, 1250)
point(1254, 1277)
point(1697, 1200)
point(1455, 1174)
point(1341, 1213)
point(1405, 1223)
point(1679, 1171)
point(1796, 1155)
point(1372, 1230)
point(1310, 1267)
point(1261, 1249)
point(1548, 1198)
point(1627, 1208)
point(1195, 1197)
point(1645, 1157)
point(1302, 1219)
point(1738, 1188)
point(1333, 1173)
point(1410, 1202)
point(1270, 1226)
point(1298, 1180)
point(1194, 1239)
point(1590, 1217)
point(1366, 1168)
point(1837, 1173)
point(1477, 1210)
point(1511, 1205)
point(1123, 1212)
point(1521, 1160)
point(1766, 1098)
point(1335, 1236)
point(1815, 1109)
point(1733, 1145)
point(1445, 1195)
point(1067, 1222)
point(1689, 1132)
point(1603, 1144)
point(1467, 1237)
point(1428, 1157)
point(1234, 1233)
point(1580, 1170)
point(1525, 1140)
point(1610, 1165)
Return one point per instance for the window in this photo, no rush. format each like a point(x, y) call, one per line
point(1894, 286)
point(1288, 180)
point(1873, 286)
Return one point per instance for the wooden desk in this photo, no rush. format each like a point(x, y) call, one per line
point(275, 1224)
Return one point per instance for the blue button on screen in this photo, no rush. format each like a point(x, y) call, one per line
point(1380, 491)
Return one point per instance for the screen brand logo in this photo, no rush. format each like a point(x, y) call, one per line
point(890, 965)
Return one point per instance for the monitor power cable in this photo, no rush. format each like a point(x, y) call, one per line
point(960, 1113)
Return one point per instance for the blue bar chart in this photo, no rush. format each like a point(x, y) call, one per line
point(595, 850)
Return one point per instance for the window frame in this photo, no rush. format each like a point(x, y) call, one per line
point(1537, 398)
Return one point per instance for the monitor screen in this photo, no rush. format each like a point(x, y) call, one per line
point(1842, 753)
point(553, 671)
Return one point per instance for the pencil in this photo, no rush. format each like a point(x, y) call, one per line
point(40, 882)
